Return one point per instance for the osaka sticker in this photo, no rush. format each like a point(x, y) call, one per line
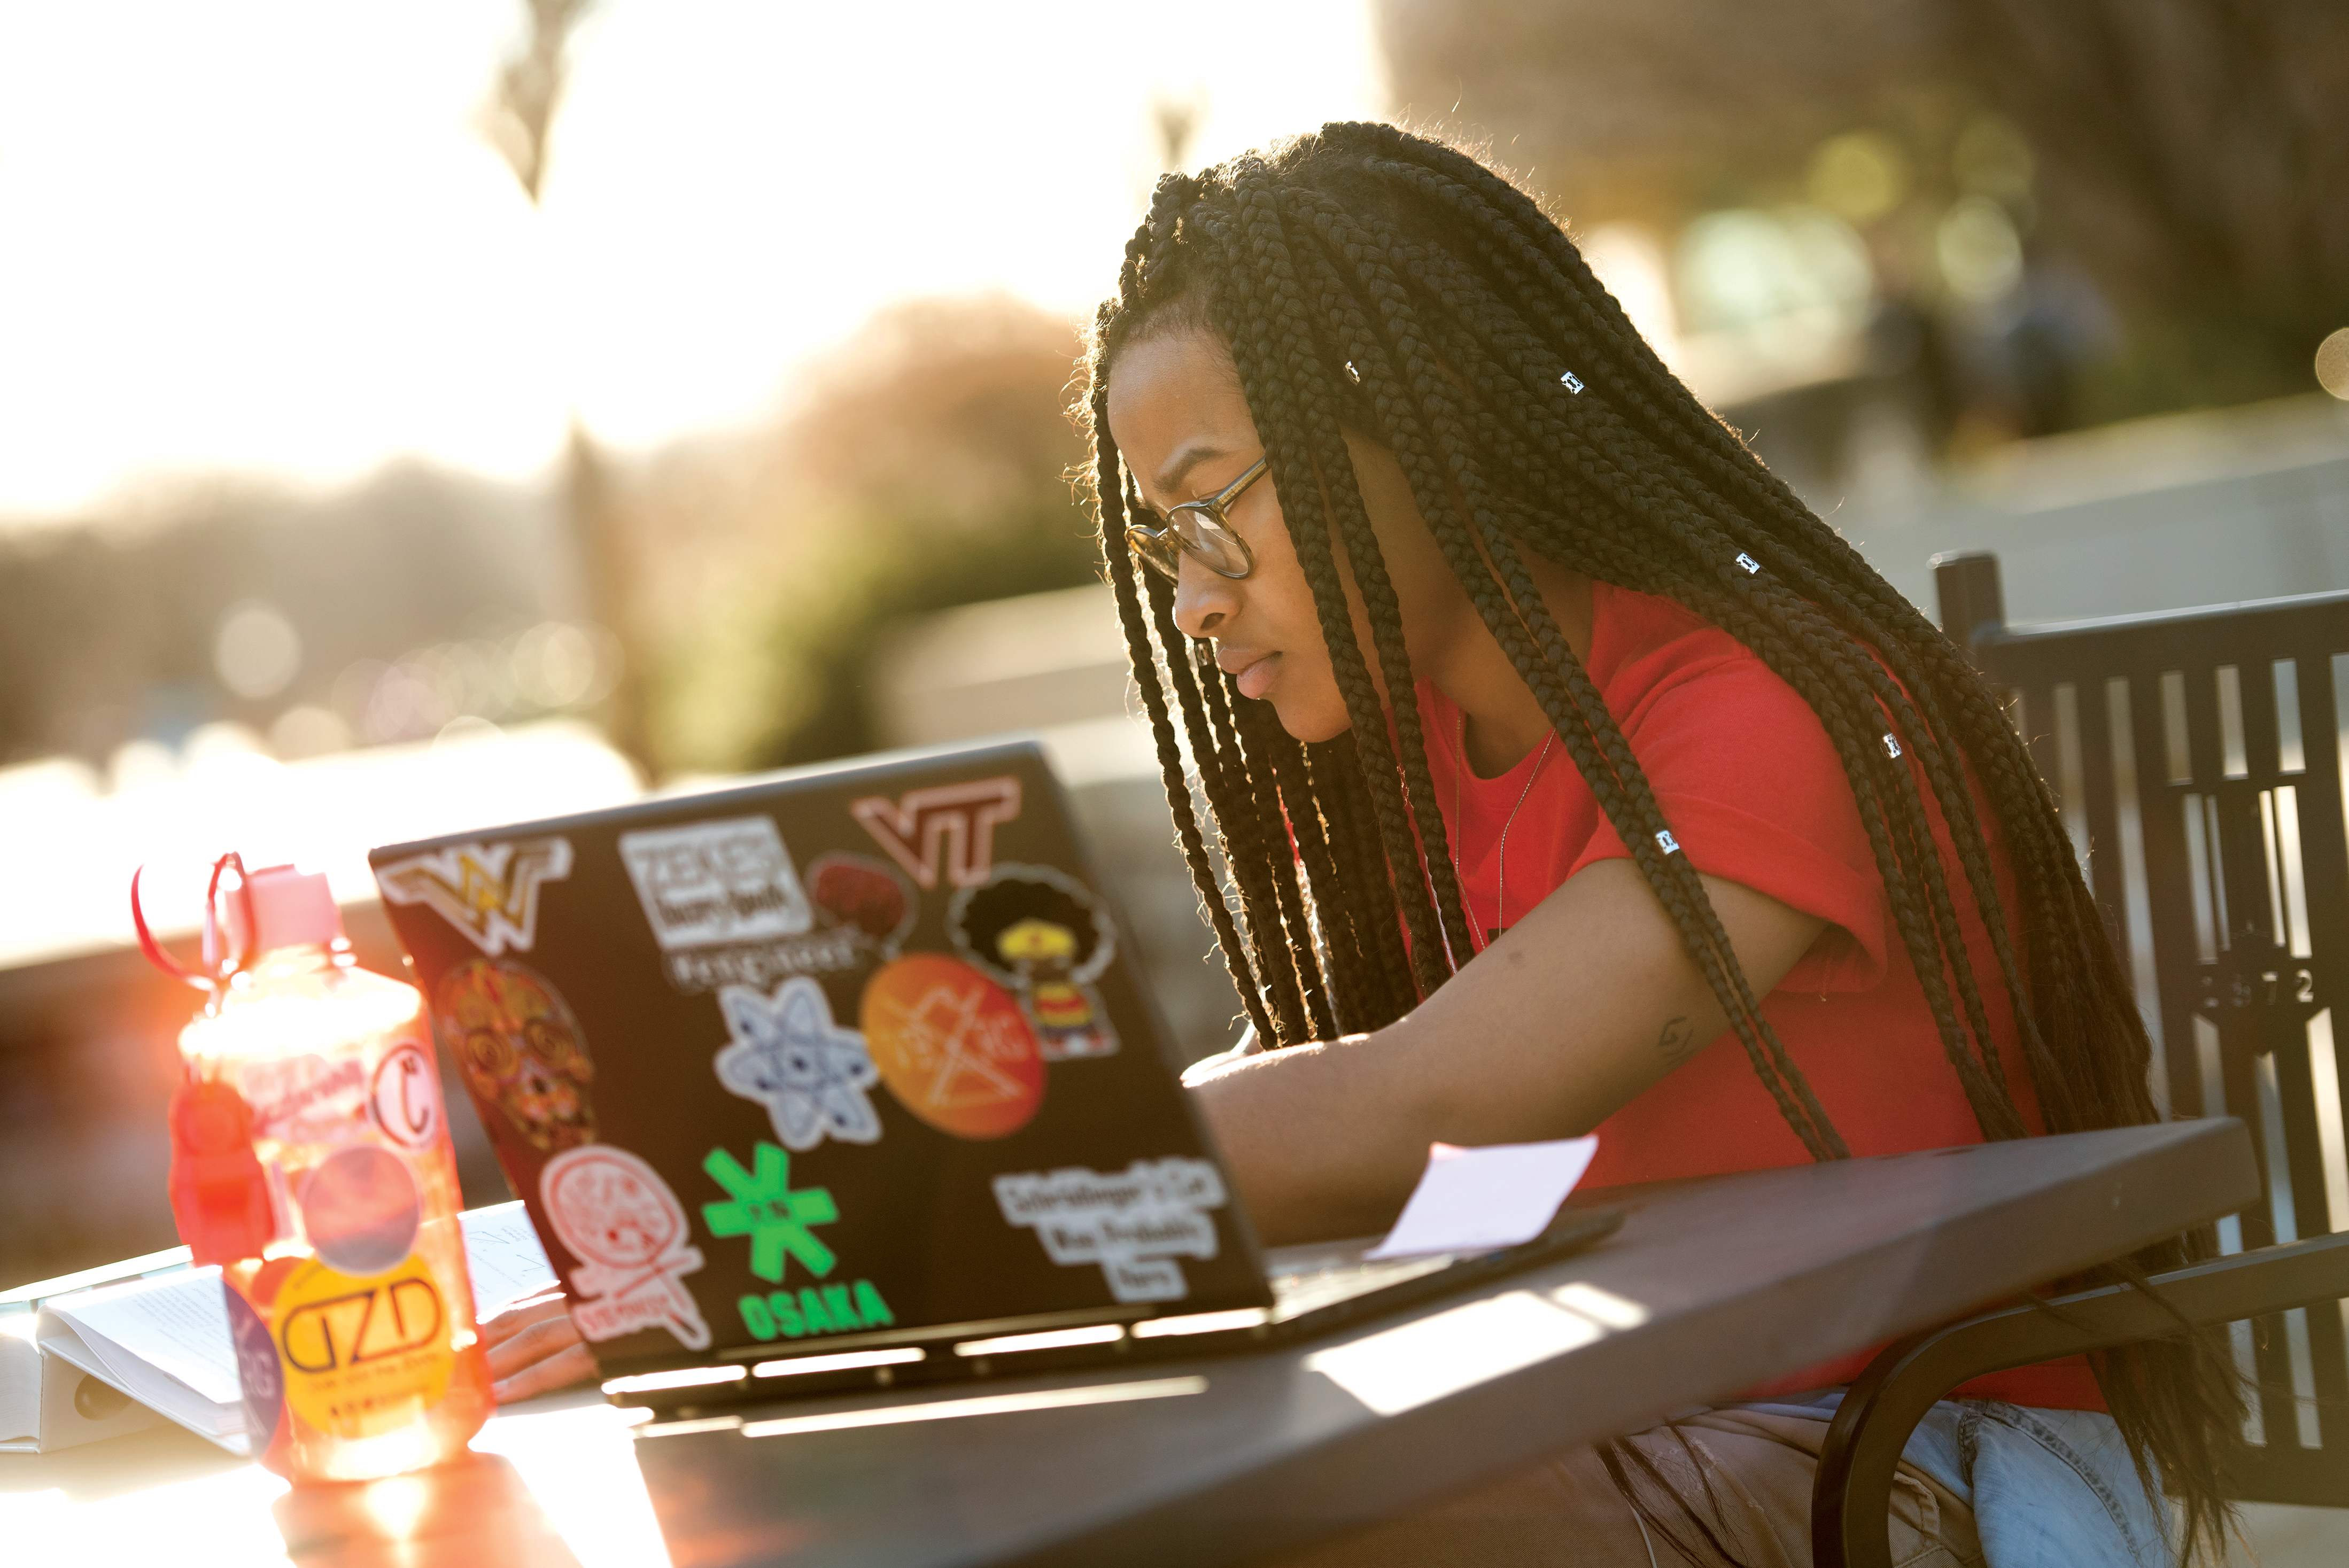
point(859, 893)
point(781, 1224)
point(1134, 1224)
point(620, 1220)
point(1042, 932)
point(809, 1072)
point(945, 829)
point(521, 1050)
point(726, 906)
point(489, 892)
point(953, 1046)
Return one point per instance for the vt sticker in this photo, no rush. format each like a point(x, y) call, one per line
point(809, 1072)
point(618, 1217)
point(1133, 1222)
point(489, 892)
point(947, 827)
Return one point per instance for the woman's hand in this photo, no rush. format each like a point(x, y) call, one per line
point(535, 1349)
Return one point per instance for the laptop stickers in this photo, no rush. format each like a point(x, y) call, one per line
point(849, 1051)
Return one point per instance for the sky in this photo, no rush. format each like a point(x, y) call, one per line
point(268, 236)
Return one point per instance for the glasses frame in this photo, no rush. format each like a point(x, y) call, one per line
point(1144, 540)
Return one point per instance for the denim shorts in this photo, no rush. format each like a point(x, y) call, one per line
point(2049, 1489)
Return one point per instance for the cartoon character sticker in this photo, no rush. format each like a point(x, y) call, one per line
point(859, 893)
point(489, 892)
point(521, 1050)
point(953, 1046)
point(809, 1072)
point(1044, 934)
point(621, 1221)
point(1133, 1224)
point(945, 828)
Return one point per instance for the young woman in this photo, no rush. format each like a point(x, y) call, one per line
point(1574, 776)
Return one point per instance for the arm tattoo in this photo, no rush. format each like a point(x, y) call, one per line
point(1677, 1042)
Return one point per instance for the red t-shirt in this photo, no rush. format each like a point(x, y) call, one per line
point(1755, 794)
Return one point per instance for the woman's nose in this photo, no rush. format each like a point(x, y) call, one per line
point(1203, 599)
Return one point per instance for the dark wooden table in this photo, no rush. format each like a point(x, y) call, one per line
point(1710, 1286)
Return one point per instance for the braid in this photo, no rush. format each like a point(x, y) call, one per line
point(1366, 279)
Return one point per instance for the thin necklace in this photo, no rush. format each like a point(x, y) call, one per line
point(1501, 898)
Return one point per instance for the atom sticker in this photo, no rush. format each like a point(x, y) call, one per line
point(809, 1072)
point(620, 1220)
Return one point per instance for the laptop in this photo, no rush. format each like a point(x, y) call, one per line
point(846, 1077)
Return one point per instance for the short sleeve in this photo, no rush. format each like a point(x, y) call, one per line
point(1755, 794)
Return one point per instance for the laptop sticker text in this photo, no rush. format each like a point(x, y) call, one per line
point(945, 829)
point(781, 1224)
point(627, 1229)
point(727, 907)
point(1133, 1224)
point(809, 1072)
point(953, 1046)
point(489, 892)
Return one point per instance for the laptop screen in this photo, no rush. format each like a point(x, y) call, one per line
point(848, 1052)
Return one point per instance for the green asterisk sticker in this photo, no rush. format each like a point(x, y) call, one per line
point(766, 1210)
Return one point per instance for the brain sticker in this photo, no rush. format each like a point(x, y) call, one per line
point(953, 1046)
point(621, 1221)
point(521, 1050)
point(863, 894)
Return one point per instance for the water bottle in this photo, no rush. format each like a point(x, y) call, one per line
point(311, 1160)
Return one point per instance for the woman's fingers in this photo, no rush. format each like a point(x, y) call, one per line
point(535, 1350)
point(496, 1331)
point(564, 1368)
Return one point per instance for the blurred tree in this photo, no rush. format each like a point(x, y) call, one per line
point(2189, 153)
point(926, 466)
point(2194, 154)
point(517, 122)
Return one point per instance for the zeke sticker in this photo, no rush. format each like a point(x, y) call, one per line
point(620, 1220)
point(1133, 1222)
point(489, 892)
point(809, 1072)
point(726, 906)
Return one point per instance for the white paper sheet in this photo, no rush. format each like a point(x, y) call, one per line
point(504, 1257)
point(1476, 1200)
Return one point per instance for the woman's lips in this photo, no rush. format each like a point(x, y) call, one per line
point(1256, 679)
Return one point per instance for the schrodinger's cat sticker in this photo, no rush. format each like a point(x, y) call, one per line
point(627, 1230)
point(1133, 1222)
point(809, 1072)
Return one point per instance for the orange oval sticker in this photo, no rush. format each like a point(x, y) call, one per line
point(952, 1046)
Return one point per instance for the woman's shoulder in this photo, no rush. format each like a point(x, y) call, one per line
point(1641, 643)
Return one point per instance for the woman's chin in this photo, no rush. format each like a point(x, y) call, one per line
point(1313, 722)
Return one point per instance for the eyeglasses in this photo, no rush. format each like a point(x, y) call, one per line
point(1198, 528)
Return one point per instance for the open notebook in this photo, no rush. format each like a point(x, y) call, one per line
point(86, 1357)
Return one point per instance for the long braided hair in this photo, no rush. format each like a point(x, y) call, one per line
point(1367, 279)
